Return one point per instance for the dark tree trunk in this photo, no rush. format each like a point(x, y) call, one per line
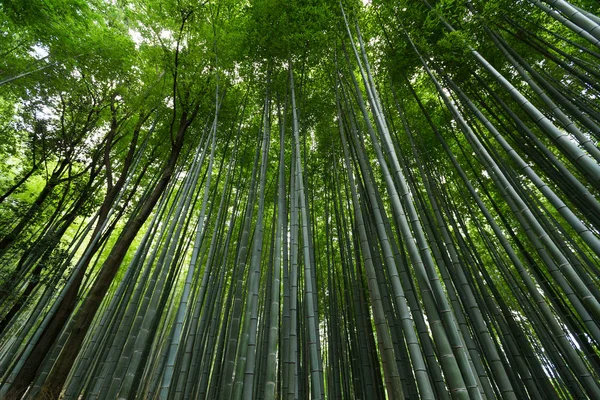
point(86, 313)
point(18, 184)
point(88, 309)
point(9, 240)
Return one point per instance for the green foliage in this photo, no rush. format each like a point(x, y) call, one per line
point(281, 29)
point(94, 94)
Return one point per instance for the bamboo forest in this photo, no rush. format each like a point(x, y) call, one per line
point(300, 199)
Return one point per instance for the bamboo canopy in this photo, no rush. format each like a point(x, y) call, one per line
point(300, 199)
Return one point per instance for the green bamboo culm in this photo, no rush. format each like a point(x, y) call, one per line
point(322, 199)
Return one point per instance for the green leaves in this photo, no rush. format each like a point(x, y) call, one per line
point(431, 195)
point(280, 29)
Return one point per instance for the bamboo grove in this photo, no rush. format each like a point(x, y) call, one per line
point(300, 199)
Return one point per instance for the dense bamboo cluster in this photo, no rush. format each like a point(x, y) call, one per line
point(325, 200)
